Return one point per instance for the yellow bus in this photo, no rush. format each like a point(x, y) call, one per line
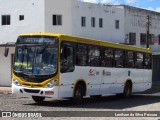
point(61, 66)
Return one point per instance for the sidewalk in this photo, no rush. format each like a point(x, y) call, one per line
point(5, 90)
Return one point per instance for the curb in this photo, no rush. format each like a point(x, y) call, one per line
point(5, 92)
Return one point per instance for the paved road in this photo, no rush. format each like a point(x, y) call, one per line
point(9, 102)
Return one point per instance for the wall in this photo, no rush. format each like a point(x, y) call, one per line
point(5, 70)
point(33, 11)
point(58, 7)
point(136, 22)
point(108, 13)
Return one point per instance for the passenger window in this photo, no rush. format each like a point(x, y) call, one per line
point(94, 56)
point(81, 55)
point(139, 60)
point(67, 58)
point(147, 61)
point(119, 58)
point(130, 59)
point(108, 58)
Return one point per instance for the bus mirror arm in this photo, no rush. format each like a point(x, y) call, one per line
point(6, 50)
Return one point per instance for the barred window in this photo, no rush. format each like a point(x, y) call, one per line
point(132, 38)
point(143, 38)
point(83, 21)
point(93, 22)
point(6, 19)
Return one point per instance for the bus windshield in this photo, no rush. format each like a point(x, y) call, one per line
point(36, 55)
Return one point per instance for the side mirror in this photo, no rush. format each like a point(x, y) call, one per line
point(6, 52)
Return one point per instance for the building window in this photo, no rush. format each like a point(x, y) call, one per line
point(83, 21)
point(21, 17)
point(159, 39)
point(57, 19)
point(93, 21)
point(151, 37)
point(100, 22)
point(143, 38)
point(116, 24)
point(132, 38)
point(6, 19)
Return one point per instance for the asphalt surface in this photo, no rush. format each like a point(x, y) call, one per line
point(107, 107)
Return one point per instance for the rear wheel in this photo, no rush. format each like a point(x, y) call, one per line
point(78, 94)
point(127, 90)
point(38, 99)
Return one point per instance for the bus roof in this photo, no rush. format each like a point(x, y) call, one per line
point(90, 41)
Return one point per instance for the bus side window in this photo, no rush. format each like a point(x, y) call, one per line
point(119, 58)
point(67, 58)
point(139, 60)
point(94, 56)
point(147, 61)
point(130, 59)
point(108, 58)
point(81, 55)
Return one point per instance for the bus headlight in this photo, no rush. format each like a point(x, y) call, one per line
point(50, 84)
point(15, 81)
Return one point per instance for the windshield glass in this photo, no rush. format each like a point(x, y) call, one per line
point(36, 55)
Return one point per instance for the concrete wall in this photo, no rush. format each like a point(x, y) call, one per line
point(108, 13)
point(136, 22)
point(58, 7)
point(33, 11)
point(5, 69)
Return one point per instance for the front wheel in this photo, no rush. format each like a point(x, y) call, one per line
point(78, 94)
point(38, 99)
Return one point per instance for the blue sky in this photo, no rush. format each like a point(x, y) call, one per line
point(146, 4)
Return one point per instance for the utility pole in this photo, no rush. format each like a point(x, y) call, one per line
point(148, 31)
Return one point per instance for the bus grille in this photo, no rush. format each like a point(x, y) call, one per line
point(33, 86)
point(31, 91)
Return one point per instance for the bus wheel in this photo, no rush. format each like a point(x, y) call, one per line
point(127, 90)
point(78, 94)
point(38, 99)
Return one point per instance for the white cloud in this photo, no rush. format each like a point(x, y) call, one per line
point(103, 1)
point(130, 1)
point(158, 9)
point(154, 9)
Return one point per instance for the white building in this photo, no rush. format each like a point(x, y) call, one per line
point(121, 24)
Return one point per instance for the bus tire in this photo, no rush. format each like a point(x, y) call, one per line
point(127, 89)
point(38, 99)
point(78, 94)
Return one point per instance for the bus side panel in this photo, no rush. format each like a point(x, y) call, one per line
point(148, 76)
point(90, 75)
point(65, 91)
point(139, 86)
point(118, 74)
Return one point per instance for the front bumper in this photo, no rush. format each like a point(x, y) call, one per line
point(44, 92)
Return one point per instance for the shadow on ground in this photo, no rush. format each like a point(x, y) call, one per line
point(106, 102)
